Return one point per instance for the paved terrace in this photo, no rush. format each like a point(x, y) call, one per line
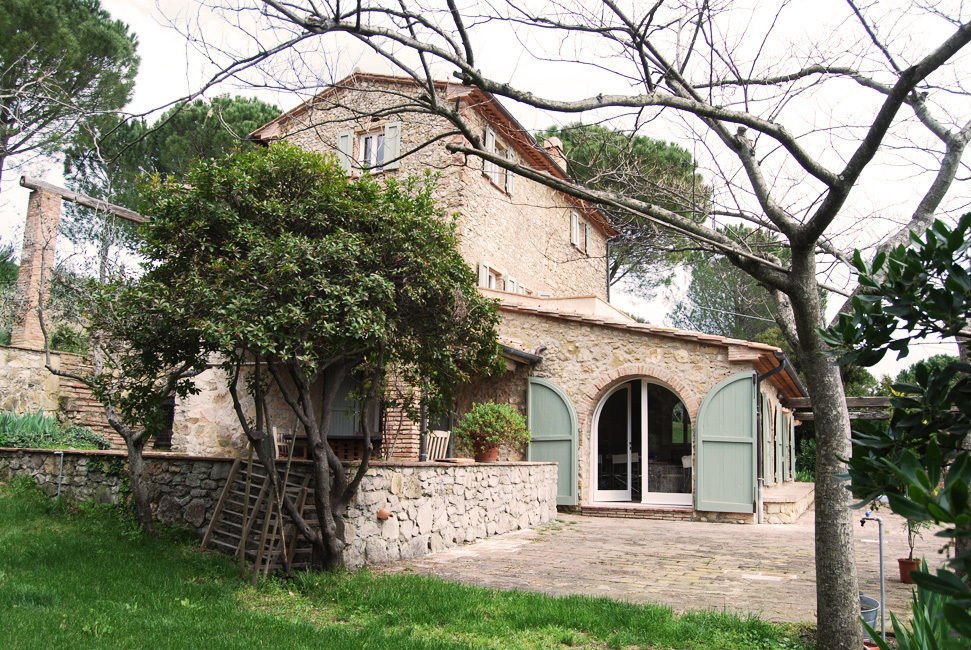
point(758, 569)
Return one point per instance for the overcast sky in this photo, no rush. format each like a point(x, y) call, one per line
point(171, 67)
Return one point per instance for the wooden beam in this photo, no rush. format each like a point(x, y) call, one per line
point(804, 403)
point(82, 199)
point(807, 416)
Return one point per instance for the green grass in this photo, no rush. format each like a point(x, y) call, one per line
point(85, 578)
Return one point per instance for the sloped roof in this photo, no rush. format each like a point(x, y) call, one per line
point(483, 102)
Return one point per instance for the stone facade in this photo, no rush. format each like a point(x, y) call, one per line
point(432, 506)
point(522, 234)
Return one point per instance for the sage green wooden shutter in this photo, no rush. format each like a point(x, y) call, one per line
point(553, 435)
point(780, 446)
point(343, 419)
point(768, 472)
point(345, 148)
point(726, 447)
point(790, 444)
point(392, 145)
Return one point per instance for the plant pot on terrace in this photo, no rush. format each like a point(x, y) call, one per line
point(488, 426)
point(908, 564)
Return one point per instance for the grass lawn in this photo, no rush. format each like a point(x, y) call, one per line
point(86, 578)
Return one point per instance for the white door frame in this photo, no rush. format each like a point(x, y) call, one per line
point(647, 497)
point(611, 495)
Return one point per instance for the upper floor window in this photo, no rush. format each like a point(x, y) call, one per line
point(502, 177)
point(374, 150)
point(371, 150)
point(581, 233)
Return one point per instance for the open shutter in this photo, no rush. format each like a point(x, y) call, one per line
point(511, 285)
point(574, 229)
point(488, 167)
point(553, 434)
point(587, 230)
point(768, 473)
point(790, 444)
point(780, 445)
point(392, 145)
point(726, 447)
point(484, 275)
point(511, 157)
point(345, 148)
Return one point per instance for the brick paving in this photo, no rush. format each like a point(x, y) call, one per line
point(765, 570)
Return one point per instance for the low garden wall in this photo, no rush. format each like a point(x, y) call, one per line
point(431, 506)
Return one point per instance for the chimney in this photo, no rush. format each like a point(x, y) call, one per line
point(554, 148)
point(36, 263)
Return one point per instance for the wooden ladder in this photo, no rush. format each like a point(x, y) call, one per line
point(248, 525)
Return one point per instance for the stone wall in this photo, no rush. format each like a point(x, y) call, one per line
point(26, 386)
point(432, 506)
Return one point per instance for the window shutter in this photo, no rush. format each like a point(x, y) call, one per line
point(574, 229)
point(511, 285)
point(488, 167)
point(392, 144)
point(345, 148)
point(484, 275)
point(511, 157)
point(587, 230)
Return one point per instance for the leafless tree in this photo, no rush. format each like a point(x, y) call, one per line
point(797, 114)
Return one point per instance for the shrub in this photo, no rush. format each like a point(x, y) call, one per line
point(806, 460)
point(489, 425)
point(39, 431)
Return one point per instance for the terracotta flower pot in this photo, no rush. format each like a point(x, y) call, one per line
point(906, 566)
point(486, 455)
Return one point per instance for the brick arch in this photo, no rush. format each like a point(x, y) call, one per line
point(607, 381)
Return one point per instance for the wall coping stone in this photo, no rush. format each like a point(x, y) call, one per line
point(167, 455)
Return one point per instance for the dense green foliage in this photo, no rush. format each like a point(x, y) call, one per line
point(60, 60)
point(920, 461)
point(645, 168)
point(488, 424)
point(109, 157)
point(39, 431)
point(73, 578)
point(279, 253)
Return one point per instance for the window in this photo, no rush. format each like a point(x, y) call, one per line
point(581, 233)
point(374, 150)
point(587, 230)
point(575, 229)
point(490, 278)
point(371, 150)
point(498, 175)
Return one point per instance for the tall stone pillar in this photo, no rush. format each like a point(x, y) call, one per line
point(36, 263)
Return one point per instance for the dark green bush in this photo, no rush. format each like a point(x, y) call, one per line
point(39, 431)
point(806, 460)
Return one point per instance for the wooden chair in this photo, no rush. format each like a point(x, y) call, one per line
point(438, 444)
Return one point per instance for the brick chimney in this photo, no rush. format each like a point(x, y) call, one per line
point(554, 147)
point(36, 262)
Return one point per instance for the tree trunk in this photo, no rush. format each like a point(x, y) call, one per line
point(837, 601)
point(139, 487)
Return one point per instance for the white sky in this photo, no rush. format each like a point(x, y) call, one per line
point(171, 67)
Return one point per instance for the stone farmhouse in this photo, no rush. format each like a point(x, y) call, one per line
point(642, 420)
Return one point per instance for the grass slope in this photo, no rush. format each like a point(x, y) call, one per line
point(85, 578)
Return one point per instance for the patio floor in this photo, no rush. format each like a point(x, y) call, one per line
point(757, 569)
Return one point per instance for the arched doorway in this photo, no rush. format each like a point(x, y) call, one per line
point(641, 445)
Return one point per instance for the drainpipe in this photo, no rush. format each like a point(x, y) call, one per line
point(60, 472)
point(759, 433)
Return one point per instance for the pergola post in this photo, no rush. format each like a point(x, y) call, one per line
point(36, 264)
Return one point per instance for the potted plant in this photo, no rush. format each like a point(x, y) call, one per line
point(908, 564)
point(487, 426)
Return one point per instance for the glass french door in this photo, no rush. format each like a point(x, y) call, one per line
point(613, 481)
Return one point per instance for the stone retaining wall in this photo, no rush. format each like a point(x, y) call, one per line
point(432, 506)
